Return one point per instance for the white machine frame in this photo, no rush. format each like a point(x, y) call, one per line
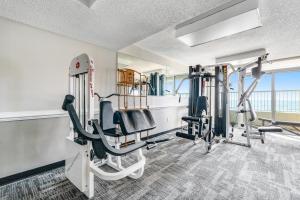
point(243, 120)
point(80, 166)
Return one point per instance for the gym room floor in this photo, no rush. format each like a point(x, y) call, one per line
point(179, 170)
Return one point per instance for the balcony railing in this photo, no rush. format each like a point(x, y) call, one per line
point(286, 101)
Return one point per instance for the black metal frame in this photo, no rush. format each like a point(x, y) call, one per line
point(198, 78)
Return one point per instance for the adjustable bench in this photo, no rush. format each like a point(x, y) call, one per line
point(266, 129)
point(260, 134)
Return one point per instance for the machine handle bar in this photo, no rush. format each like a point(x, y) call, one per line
point(100, 98)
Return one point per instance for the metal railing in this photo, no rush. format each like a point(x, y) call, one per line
point(286, 101)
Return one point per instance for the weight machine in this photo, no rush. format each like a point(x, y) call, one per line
point(205, 92)
point(245, 107)
point(209, 87)
point(91, 144)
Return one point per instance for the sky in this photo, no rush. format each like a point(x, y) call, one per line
point(283, 81)
point(288, 81)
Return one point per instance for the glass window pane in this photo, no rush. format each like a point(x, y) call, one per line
point(184, 89)
point(169, 85)
point(287, 91)
point(287, 80)
point(287, 94)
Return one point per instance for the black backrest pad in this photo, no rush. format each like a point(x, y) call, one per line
point(134, 121)
point(201, 105)
point(106, 115)
point(69, 99)
point(68, 106)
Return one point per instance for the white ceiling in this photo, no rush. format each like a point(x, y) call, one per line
point(280, 35)
point(128, 61)
point(113, 24)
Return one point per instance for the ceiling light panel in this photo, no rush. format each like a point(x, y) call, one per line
point(229, 19)
point(242, 57)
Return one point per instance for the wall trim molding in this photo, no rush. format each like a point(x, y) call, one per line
point(31, 115)
point(46, 114)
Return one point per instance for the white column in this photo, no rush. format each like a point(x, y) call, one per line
point(273, 97)
point(241, 79)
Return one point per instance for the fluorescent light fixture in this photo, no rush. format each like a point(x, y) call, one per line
point(242, 57)
point(231, 18)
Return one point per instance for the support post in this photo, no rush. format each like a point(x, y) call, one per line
point(241, 77)
point(273, 98)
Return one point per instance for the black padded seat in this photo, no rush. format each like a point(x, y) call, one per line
point(106, 120)
point(99, 142)
point(134, 121)
point(114, 132)
point(269, 129)
point(200, 107)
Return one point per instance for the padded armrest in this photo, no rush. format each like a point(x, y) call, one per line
point(110, 149)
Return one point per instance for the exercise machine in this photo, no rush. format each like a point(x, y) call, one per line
point(281, 124)
point(210, 87)
point(91, 144)
point(244, 102)
point(206, 90)
point(245, 107)
point(262, 130)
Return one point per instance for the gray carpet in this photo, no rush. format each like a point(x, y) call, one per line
point(180, 170)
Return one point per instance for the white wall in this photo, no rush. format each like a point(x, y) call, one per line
point(138, 52)
point(34, 79)
point(29, 144)
point(34, 67)
point(167, 112)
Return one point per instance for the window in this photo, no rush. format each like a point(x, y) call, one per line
point(287, 92)
point(169, 85)
point(184, 88)
point(261, 97)
point(287, 80)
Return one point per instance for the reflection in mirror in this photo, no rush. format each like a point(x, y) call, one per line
point(148, 77)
